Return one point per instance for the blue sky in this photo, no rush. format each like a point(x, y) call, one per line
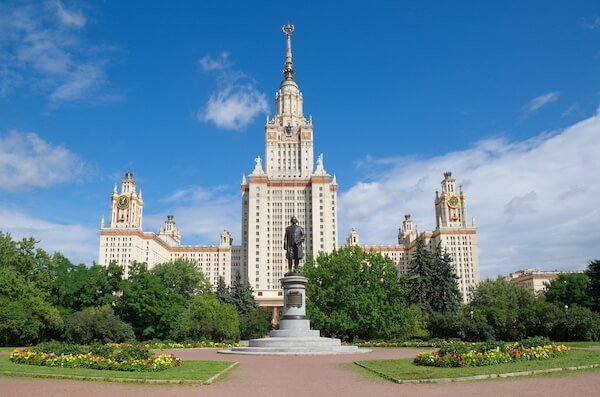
point(505, 95)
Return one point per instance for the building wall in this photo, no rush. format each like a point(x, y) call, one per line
point(124, 241)
point(452, 234)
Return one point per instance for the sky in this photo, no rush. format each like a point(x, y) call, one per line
point(506, 95)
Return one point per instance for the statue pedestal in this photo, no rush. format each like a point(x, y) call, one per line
point(293, 320)
point(294, 336)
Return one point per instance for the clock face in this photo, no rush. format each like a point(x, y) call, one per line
point(123, 202)
point(453, 201)
point(288, 130)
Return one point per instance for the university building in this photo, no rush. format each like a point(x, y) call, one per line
point(289, 182)
point(452, 233)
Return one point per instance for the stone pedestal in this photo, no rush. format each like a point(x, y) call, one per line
point(294, 336)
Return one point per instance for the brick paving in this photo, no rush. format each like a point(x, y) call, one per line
point(308, 376)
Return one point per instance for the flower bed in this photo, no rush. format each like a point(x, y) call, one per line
point(476, 355)
point(430, 343)
point(94, 361)
point(160, 345)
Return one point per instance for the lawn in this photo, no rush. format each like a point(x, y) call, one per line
point(404, 369)
point(188, 371)
point(582, 344)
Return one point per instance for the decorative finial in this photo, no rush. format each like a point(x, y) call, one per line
point(288, 71)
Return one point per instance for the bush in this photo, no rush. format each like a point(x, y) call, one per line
point(255, 325)
point(535, 341)
point(114, 352)
point(99, 325)
point(207, 319)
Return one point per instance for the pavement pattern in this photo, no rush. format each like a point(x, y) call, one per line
point(304, 376)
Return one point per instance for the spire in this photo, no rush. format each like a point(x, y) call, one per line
point(288, 71)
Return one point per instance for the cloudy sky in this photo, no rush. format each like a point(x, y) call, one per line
point(505, 96)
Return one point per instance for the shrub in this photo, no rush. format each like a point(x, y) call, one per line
point(535, 341)
point(98, 325)
point(256, 325)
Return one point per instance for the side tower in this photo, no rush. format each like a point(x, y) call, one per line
point(455, 235)
point(126, 205)
point(288, 184)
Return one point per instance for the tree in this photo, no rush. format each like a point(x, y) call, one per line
point(77, 287)
point(223, 293)
point(444, 294)
point(182, 276)
point(578, 323)
point(504, 306)
point(149, 306)
point(241, 294)
point(419, 274)
point(416, 323)
point(207, 319)
point(25, 315)
point(98, 324)
point(256, 325)
point(593, 273)
point(570, 289)
point(352, 294)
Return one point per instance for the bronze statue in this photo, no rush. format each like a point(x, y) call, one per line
point(292, 244)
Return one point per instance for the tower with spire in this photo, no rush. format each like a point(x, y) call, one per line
point(289, 183)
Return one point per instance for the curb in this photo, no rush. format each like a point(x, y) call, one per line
point(476, 377)
point(121, 380)
point(222, 373)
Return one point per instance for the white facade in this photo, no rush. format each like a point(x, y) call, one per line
point(452, 234)
point(124, 241)
point(288, 185)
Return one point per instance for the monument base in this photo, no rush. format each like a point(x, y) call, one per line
point(294, 336)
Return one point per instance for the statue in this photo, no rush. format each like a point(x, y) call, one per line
point(292, 244)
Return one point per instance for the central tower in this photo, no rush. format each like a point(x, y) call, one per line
point(289, 184)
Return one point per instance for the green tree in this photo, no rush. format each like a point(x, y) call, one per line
point(444, 294)
point(419, 274)
point(353, 294)
point(76, 287)
point(149, 306)
point(256, 325)
point(593, 273)
point(98, 324)
point(504, 306)
point(578, 323)
point(570, 289)
point(25, 315)
point(223, 293)
point(207, 319)
point(416, 323)
point(182, 276)
point(242, 296)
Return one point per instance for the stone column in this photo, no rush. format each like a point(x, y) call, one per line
point(293, 320)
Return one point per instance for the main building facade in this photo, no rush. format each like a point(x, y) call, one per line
point(290, 182)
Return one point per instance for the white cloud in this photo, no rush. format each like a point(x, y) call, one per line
point(43, 49)
point(201, 213)
point(591, 23)
point(69, 17)
point(535, 200)
point(26, 160)
point(540, 101)
point(236, 102)
point(78, 243)
point(233, 107)
point(209, 64)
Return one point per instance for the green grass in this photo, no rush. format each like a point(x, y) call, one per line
point(582, 344)
point(189, 370)
point(404, 369)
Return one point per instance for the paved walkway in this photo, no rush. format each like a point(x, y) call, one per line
point(308, 376)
